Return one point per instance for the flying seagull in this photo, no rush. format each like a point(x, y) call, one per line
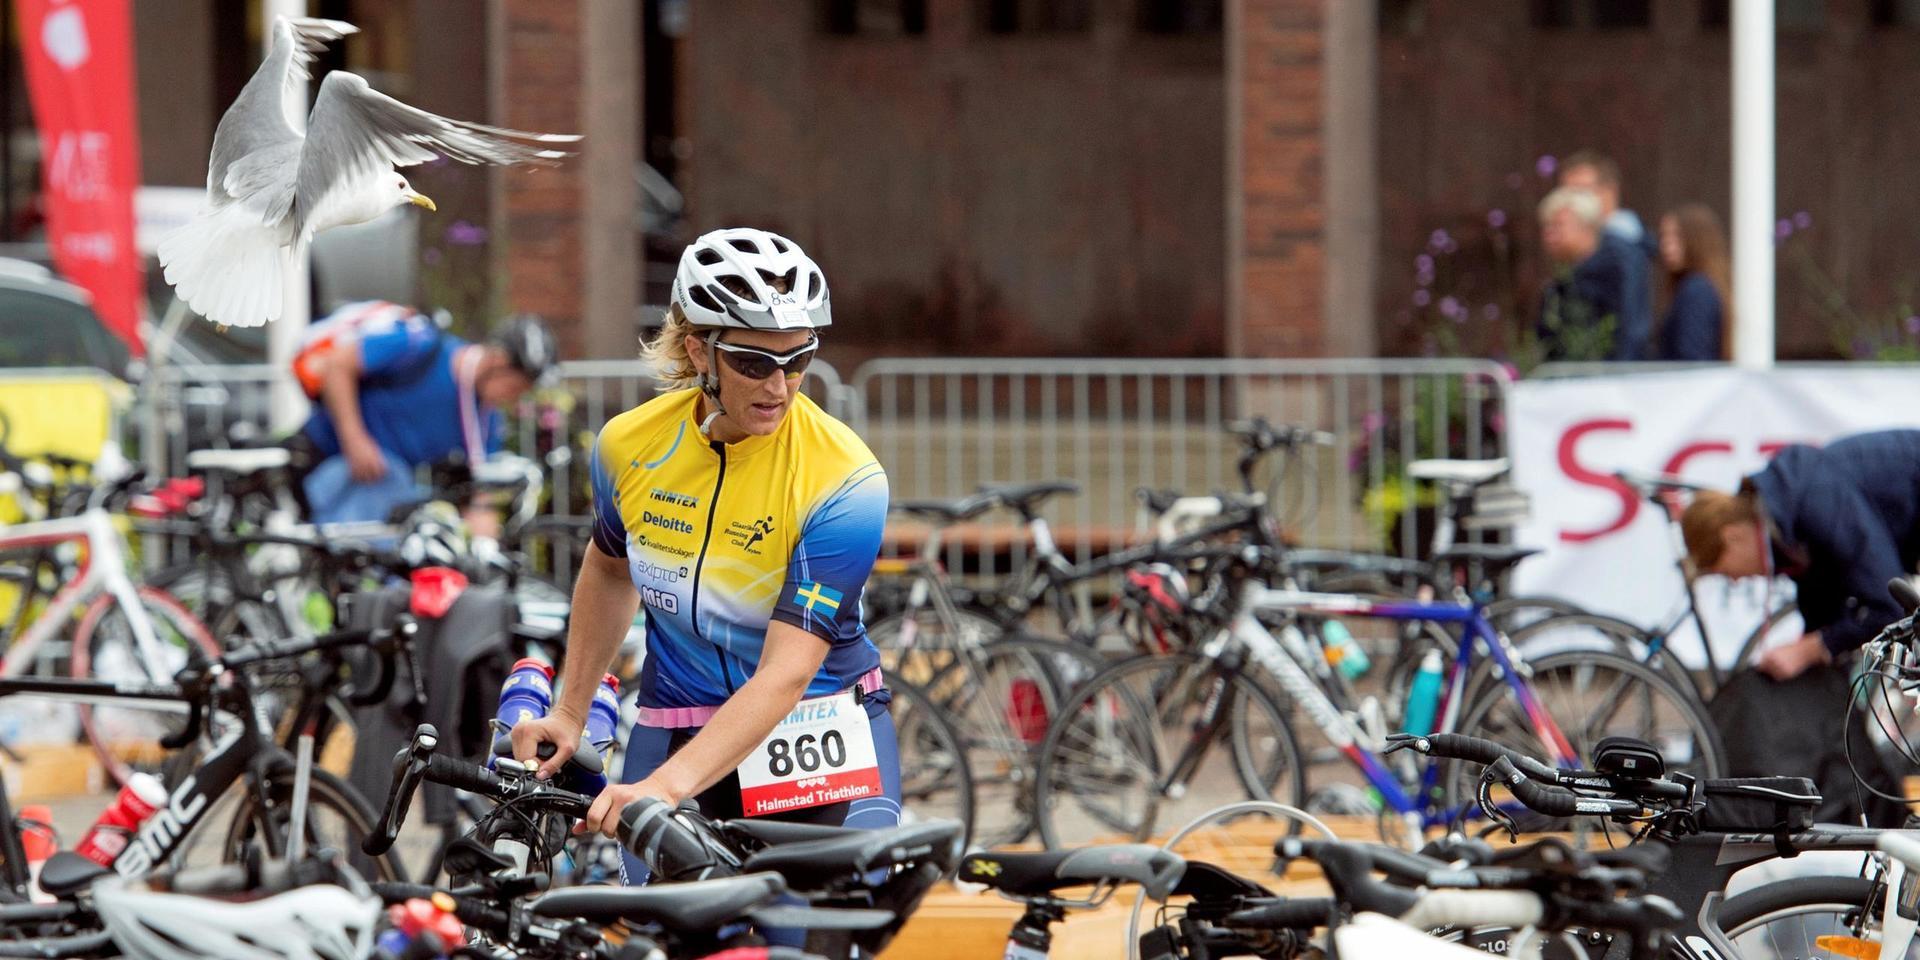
point(270, 189)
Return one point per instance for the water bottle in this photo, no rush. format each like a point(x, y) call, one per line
point(142, 795)
point(1423, 697)
point(526, 694)
point(1342, 651)
point(603, 714)
point(603, 718)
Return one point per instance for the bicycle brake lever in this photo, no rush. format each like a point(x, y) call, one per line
point(409, 765)
point(1407, 741)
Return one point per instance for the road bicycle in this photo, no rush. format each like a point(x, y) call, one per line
point(1142, 735)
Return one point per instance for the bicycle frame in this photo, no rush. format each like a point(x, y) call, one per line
point(241, 750)
point(1284, 663)
point(104, 572)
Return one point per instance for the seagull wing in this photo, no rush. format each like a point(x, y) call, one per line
point(263, 116)
point(357, 132)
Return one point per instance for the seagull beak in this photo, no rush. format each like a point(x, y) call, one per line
point(420, 200)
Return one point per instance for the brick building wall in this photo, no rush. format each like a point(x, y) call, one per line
point(970, 192)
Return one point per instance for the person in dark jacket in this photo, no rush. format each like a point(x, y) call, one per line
point(1693, 249)
point(1840, 520)
point(1600, 283)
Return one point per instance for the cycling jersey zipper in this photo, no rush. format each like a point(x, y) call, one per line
point(713, 507)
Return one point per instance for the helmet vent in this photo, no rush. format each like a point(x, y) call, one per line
point(779, 244)
point(780, 282)
point(703, 299)
point(739, 288)
point(747, 246)
point(707, 256)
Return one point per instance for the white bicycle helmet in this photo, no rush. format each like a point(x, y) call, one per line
point(320, 922)
point(732, 278)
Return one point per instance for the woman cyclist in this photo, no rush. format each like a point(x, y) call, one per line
point(747, 520)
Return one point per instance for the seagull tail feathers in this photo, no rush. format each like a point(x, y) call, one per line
point(227, 265)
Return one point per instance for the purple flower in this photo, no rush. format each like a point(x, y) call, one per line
point(1439, 240)
point(1373, 422)
point(464, 234)
point(1545, 166)
point(1783, 229)
point(1802, 220)
point(1913, 325)
point(1421, 298)
point(1450, 307)
point(1491, 311)
point(1423, 263)
point(1496, 218)
point(430, 256)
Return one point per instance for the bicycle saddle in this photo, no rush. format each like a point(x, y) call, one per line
point(817, 864)
point(692, 907)
point(1041, 872)
point(1027, 497)
point(238, 462)
point(949, 510)
point(772, 833)
point(1493, 558)
point(67, 873)
point(1470, 473)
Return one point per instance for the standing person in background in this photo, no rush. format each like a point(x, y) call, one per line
point(1627, 241)
point(1693, 248)
point(1583, 309)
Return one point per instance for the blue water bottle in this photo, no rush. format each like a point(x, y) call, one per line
point(583, 774)
point(527, 694)
point(1423, 697)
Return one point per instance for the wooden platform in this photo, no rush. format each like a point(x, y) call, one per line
point(960, 924)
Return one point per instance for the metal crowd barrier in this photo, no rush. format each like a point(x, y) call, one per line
point(943, 426)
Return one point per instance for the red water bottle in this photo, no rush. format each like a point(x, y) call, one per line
point(143, 794)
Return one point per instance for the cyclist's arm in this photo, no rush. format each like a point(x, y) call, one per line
point(1848, 542)
point(340, 391)
point(604, 602)
point(789, 659)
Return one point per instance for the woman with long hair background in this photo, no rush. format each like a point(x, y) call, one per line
point(1693, 249)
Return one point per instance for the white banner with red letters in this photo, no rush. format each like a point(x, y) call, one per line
point(1614, 553)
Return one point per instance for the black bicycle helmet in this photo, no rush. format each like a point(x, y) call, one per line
point(529, 345)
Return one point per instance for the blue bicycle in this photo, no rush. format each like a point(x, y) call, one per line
point(1151, 740)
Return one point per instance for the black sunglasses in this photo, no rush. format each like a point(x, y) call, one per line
point(759, 364)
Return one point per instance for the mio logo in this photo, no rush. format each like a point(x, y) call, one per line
point(162, 830)
point(660, 598)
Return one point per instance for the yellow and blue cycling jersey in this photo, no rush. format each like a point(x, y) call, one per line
point(722, 539)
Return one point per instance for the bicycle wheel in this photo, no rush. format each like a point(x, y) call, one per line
point(1591, 695)
point(238, 823)
point(936, 782)
point(918, 643)
point(126, 738)
point(1001, 698)
point(1142, 741)
point(1591, 631)
point(1783, 919)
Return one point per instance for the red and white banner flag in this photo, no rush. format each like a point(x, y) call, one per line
point(79, 65)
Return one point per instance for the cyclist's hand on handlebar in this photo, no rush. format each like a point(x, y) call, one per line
point(604, 816)
point(529, 735)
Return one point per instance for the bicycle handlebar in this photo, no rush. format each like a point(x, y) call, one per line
point(417, 761)
point(1555, 801)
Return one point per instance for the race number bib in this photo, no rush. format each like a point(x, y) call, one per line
point(821, 753)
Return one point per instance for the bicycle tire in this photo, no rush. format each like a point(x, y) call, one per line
point(326, 793)
point(936, 779)
point(85, 663)
point(1138, 716)
point(1000, 698)
point(1601, 632)
point(1701, 756)
point(1742, 917)
point(929, 648)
